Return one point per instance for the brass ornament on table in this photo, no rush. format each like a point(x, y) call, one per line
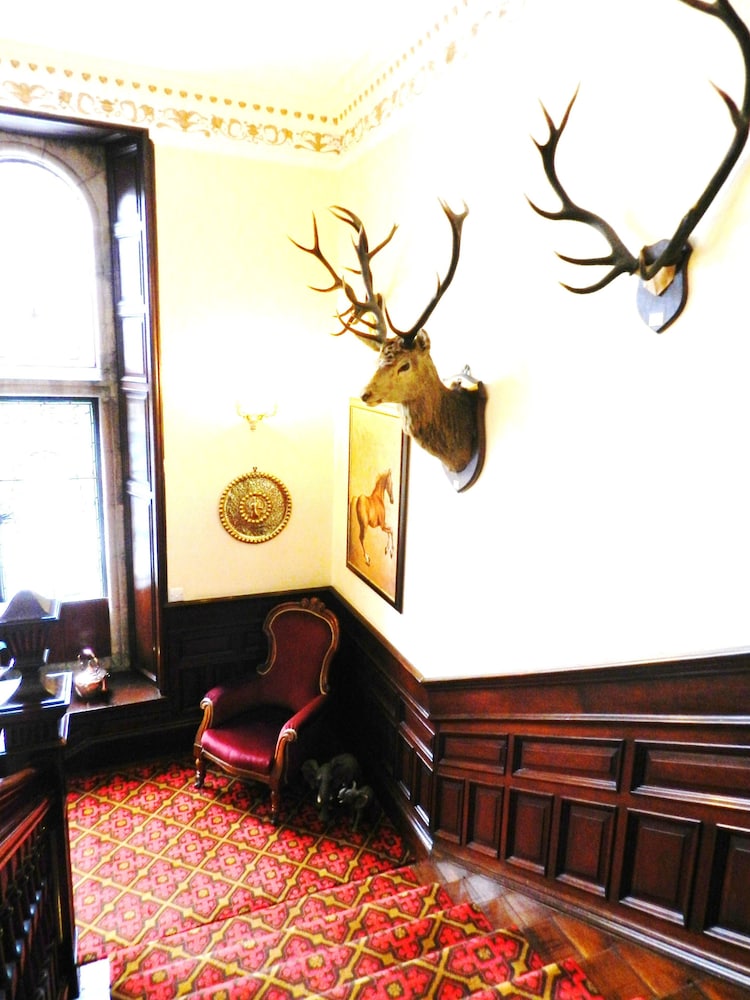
point(90, 680)
point(255, 507)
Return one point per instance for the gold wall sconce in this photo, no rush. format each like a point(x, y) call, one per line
point(255, 414)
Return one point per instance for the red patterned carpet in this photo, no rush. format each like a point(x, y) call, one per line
point(195, 893)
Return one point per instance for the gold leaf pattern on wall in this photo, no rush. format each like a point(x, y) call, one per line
point(96, 96)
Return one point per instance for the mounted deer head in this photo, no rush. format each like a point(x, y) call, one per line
point(448, 422)
point(662, 266)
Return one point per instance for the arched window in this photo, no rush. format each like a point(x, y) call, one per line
point(48, 307)
point(60, 517)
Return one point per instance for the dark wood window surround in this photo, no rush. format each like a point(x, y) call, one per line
point(129, 159)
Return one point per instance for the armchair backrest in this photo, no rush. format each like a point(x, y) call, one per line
point(302, 638)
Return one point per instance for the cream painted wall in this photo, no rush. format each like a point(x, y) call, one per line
point(235, 311)
point(611, 521)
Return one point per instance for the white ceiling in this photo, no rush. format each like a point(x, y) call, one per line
point(317, 54)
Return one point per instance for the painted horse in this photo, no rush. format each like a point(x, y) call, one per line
point(369, 510)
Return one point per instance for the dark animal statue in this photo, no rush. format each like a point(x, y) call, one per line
point(327, 780)
point(359, 799)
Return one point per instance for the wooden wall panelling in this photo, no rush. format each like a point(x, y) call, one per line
point(699, 688)
point(584, 762)
point(727, 915)
point(660, 864)
point(584, 845)
point(640, 860)
point(619, 805)
point(706, 773)
point(81, 623)
point(414, 766)
point(528, 831)
point(384, 721)
point(212, 641)
point(450, 807)
point(370, 711)
point(484, 817)
point(469, 795)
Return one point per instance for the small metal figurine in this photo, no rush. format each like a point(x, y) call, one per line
point(91, 678)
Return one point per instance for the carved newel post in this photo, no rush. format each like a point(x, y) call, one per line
point(25, 628)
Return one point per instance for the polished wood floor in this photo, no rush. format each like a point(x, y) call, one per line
point(620, 969)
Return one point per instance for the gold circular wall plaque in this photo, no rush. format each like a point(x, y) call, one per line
point(255, 507)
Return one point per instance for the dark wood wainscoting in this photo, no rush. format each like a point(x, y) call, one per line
point(622, 793)
point(211, 641)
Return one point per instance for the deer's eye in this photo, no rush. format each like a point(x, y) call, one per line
point(404, 367)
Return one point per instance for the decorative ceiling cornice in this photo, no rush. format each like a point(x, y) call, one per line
point(50, 83)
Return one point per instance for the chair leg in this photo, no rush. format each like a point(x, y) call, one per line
point(275, 804)
point(200, 771)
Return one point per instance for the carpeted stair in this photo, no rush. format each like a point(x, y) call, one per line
point(194, 892)
point(387, 936)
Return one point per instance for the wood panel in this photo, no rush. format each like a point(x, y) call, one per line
point(660, 865)
point(728, 915)
point(585, 844)
point(596, 763)
point(529, 826)
point(450, 808)
point(81, 623)
point(484, 818)
point(702, 773)
point(130, 176)
point(212, 641)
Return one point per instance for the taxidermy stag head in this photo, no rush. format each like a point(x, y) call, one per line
point(447, 421)
point(662, 266)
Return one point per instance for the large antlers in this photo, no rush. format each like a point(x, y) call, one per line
point(456, 221)
point(620, 259)
point(371, 311)
point(669, 256)
point(358, 311)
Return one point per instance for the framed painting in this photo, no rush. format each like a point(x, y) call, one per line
point(378, 474)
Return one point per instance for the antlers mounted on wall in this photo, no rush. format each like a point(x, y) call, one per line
point(447, 421)
point(662, 266)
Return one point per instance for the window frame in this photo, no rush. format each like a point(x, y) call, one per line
point(128, 161)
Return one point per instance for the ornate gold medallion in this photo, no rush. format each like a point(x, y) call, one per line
point(255, 507)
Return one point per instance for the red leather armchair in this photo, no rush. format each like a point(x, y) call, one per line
point(263, 726)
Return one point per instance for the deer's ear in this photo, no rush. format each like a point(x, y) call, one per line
point(422, 341)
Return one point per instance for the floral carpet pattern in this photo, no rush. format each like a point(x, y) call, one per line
point(195, 893)
point(152, 855)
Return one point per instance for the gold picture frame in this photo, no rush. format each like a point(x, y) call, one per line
point(377, 492)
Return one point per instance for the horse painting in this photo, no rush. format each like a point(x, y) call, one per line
point(369, 511)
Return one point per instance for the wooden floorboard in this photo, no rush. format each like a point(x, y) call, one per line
point(619, 968)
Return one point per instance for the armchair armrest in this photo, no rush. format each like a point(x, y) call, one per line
point(301, 719)
point(226, 700)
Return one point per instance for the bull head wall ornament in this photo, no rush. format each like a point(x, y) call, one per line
point(447, 421)
point(661, 267)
